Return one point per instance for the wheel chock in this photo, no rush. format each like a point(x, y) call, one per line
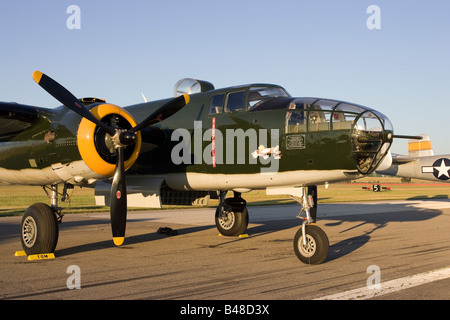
point(244, 235)
point(40, 256)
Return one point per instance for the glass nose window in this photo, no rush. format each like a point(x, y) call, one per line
point(371, 139)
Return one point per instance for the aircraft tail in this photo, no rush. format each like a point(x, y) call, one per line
point(421, 148)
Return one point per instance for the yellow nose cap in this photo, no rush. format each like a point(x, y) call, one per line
point(118, 241)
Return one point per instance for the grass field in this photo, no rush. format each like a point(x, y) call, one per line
point(15, 199)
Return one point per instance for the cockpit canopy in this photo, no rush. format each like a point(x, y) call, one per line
point(250, 98)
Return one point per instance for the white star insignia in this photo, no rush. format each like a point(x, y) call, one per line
point(443, 169)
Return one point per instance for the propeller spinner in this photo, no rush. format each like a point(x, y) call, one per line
point(120, 138)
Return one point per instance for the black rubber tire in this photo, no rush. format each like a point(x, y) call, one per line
point(318, 245)
point(234, 224)
point(39, 232)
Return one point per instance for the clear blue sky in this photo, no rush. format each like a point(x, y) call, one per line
point(312, 48)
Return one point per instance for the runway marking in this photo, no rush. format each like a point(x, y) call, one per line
point(390, 286)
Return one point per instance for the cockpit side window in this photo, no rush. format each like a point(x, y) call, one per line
point(216, 104)
point(235, 101)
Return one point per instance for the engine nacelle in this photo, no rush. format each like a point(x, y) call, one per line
point(96, 146)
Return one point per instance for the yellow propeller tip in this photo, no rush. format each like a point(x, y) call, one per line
point(37, 75)
point(118, 241)
point(187, 98)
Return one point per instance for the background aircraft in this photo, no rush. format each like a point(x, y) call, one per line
point(420, 163)
point(232, 139)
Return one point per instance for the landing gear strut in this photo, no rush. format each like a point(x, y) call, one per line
point(232, 215)
point(311, 243)
point(40, 225)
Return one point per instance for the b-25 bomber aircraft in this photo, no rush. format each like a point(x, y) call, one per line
point(201, 143)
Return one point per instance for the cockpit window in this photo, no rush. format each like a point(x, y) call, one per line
point(235, 101)
point(259, 95)
point(216, 105)
point(252, 98)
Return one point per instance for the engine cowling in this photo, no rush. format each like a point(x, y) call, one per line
point(96, 146)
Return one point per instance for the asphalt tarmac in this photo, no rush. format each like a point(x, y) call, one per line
point(396, 244)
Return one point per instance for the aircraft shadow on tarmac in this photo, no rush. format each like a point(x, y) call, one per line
point(129, 240)
point(398, 212)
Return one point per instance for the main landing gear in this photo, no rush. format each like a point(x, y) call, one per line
point(40, 225)
point(311, 244)
point(232, 215)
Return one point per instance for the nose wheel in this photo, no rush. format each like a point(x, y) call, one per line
point(311, 243)
point(311, 246)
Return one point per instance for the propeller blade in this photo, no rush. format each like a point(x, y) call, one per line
point(164, 112)
point(119, 200)
point(68, 99)
point(118, 196)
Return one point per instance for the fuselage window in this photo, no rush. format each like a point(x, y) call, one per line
point(216, 105)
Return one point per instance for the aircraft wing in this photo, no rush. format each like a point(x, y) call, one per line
point(401, 159)
point(14, 118)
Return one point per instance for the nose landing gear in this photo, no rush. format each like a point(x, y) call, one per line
point(311, 244)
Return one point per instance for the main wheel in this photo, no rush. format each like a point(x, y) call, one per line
point(40, 230)
point(317, 245)
point(231, 222)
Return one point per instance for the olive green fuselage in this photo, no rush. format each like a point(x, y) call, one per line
point(211, 149)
